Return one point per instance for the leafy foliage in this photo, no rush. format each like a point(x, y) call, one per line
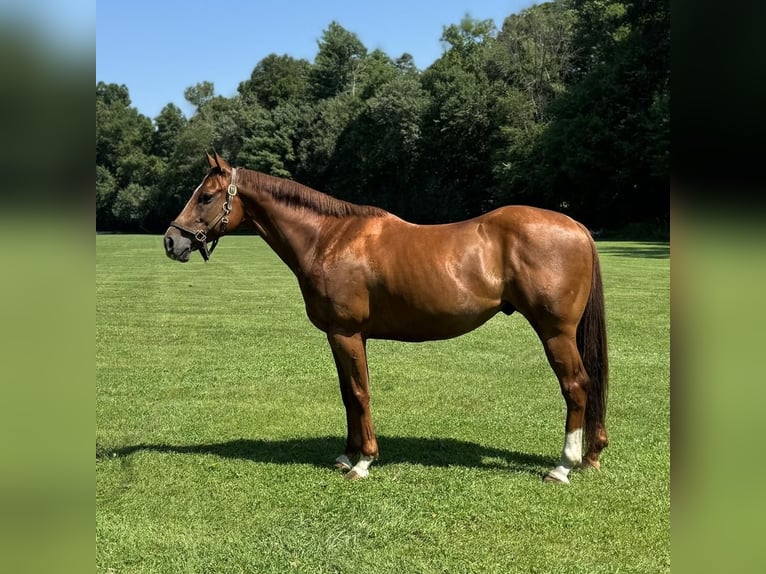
point(338, 64)
point(612, 127)
point(276, 80)
point(567, 106)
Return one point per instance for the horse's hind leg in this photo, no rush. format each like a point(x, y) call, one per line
point(351, 360)
point(564, 358)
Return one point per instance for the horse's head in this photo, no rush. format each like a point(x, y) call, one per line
point(211, 211)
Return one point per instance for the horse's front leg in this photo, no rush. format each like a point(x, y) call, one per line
point(350, 355)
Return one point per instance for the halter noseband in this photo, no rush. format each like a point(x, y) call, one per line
point(200, 236)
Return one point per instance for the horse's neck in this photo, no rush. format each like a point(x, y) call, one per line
point(290, 231)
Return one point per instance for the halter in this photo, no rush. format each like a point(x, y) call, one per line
point(200, 236)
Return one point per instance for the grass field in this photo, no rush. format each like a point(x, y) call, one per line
point(218, 417)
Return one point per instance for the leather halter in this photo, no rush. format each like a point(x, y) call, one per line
point(199, 236)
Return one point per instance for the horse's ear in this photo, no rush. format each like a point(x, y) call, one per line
point(211, 160)
point(221, 163)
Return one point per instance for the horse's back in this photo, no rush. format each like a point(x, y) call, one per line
point(528, 223)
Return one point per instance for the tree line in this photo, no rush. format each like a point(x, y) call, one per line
point(566, 106)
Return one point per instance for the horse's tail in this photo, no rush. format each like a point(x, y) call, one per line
point(591, 342)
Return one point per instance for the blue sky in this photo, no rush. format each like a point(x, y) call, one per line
point(159, 48)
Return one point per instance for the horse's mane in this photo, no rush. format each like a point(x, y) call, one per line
point(295, 194)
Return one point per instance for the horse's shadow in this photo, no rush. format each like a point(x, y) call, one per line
point(321, 451)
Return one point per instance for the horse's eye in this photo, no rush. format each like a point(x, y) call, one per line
point(206, 198)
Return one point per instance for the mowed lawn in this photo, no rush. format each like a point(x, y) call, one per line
point(218, 417)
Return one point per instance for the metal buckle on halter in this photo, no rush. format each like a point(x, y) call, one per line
point(232, 190)
point(201, 236)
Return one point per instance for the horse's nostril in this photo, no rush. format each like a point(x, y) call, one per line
point(168, 243)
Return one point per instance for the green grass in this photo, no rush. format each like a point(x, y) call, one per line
point(218, 417)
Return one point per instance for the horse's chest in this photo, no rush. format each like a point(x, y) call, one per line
point(335, 301)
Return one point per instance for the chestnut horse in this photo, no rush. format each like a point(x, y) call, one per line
point(366, 274)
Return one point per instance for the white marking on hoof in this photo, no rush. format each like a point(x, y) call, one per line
point(572, 453)
point(558, 474)
point(571, 457)
point(361, 468)
point(343, 463)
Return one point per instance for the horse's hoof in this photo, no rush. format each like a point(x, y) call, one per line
point(588, 464)
point(343, 463)
point(356, 474)
point(552, 477)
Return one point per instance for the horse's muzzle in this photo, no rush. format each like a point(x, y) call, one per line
point(177, 246)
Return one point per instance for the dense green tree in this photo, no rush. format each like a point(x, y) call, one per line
point(338, 63)
point(375, 71)
point(532, 62)
point(230, 121)
point(277, 80)
point(465, 41)
point(167, 127)
point(106, 193)
point(187, 164)
point(200, 94)
point(321, 127)
point(601, 26)
point(220, 123)
point(120, 129)
point(406, 64)
point(132, 206)
point(606, 153)
point(458, 127)
point(123, 150)
point(534, 55)
point(268, 145)
point(377, 152)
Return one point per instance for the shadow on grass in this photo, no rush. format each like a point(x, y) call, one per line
point(321, 452)
point(659, 250)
